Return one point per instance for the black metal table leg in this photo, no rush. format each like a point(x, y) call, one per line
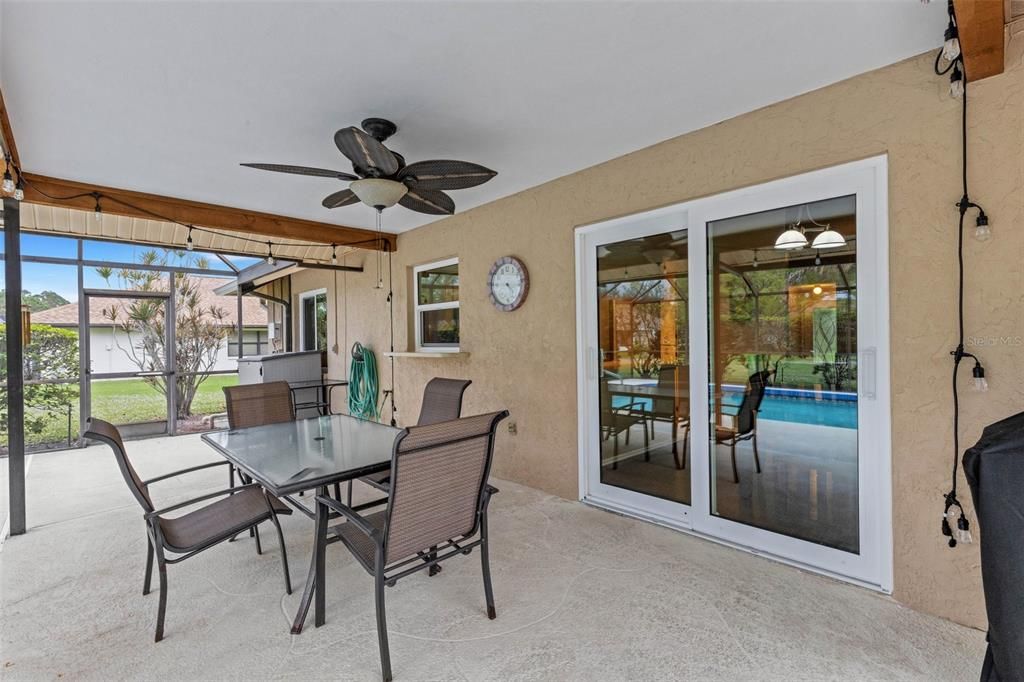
point(309, 589)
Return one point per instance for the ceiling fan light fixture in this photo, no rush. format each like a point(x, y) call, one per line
point(378, 192)
point(829, 239)
point(793, 238)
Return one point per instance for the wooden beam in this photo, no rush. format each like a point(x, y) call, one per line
point(7, 133)
point(980, 25)
point(48, 191)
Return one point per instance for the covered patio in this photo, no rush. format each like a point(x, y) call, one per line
point(581, 594)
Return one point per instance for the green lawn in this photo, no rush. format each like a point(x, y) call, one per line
point(123, 401)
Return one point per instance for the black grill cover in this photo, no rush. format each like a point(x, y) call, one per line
point(995, 471)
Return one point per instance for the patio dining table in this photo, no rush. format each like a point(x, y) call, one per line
point(307, 454)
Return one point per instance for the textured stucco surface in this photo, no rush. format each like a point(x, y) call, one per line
point(525, 360)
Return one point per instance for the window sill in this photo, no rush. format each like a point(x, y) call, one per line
point(428, 354)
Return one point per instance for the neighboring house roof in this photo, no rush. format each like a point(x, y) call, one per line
point(254, 313)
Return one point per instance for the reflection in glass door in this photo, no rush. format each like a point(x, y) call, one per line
point(749, 403)
point(642, 330)
point(782, 365)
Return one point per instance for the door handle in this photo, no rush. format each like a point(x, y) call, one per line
point(869, 371)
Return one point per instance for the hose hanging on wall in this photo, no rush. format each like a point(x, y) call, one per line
point(362, 386)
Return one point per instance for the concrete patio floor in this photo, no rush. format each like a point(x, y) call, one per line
point(581, 594)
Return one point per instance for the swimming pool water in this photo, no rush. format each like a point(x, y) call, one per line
point(798, 409)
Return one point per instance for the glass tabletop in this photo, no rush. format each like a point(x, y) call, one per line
point(303, 454)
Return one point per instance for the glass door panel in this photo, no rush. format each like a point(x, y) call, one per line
point(129, 365)
point(642, 334)
point(782, 368)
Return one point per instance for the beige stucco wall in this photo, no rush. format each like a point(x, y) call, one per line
point(525, 361)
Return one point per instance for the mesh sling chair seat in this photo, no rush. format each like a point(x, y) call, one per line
point(436, 510)
point(258, 405)
point(744, 425)
point(237, 509)
point(442, 401)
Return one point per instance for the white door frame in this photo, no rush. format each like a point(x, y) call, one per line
point(868, 180)
point(312, 293)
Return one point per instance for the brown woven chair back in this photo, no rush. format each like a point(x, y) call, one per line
point(438, 473)
point(105, 432)
point(442, 400)
point(259, 404)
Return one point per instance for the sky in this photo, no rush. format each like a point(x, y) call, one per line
point(63, 279)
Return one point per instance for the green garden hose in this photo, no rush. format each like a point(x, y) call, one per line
point(362, 383)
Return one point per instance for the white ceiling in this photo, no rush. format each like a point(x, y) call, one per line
point(169, 97)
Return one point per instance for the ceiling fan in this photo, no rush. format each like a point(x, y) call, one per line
point(382, 177)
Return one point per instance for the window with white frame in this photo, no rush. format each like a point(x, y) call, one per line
point(437, 305)
point(313, 320)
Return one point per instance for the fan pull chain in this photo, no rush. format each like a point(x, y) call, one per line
point(380, 254)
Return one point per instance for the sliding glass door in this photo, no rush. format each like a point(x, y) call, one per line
point(749, 401)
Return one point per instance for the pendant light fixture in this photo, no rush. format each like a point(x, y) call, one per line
point(793, 238)
point(829, 239)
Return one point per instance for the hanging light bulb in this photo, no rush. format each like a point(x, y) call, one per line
point(956, 84)
point(19, 190)
point(334, 254)
point(829, 239)
point(8, 184)
point(270, 254)
point(188, 242)
point(980, 384)
point(754, 263)
point(982, 232)
point(951, 48)
point(963, 529)
point(793, 238)
point(817, 258)
point(97, 212)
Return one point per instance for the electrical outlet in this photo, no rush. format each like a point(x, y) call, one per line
point(513, 428)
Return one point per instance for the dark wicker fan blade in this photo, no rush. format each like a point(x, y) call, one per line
point(345, 197)
point(365, 152)
point(428, 201)
point(442, 174)
point(301, 170)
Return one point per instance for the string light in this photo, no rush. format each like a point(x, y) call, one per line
point(377, 239)
point(953, 512)
point(270, 254)
point(188, 242)
point(334, 254)
point(8, 183)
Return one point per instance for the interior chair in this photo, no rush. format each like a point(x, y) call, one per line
point(674, 410)
point(257, 405)
point(436, 510)
point(442, 402)
point(621, 419)
point(237, 509)
point(744, 420)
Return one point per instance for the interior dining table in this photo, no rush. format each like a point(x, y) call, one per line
point(289, 458)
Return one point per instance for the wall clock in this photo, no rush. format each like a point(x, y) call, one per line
point(508, 282)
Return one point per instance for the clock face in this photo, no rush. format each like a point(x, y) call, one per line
point(508, 282)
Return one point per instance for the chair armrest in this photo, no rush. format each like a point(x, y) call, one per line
point(186, 471)
point(201, 498)
point(490, 490)
point(349, 513)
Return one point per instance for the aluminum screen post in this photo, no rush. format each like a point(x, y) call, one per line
point(15, 367)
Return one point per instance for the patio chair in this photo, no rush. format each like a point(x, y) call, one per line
point(256, 405)
point(239, 508)
point(671, 410)
point(442, 402)
point(437, 510)
point(621, 419)
point(744, 420)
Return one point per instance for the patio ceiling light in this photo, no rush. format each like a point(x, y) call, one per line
point(793, 238)
point(379, 193)
point(829, 239)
